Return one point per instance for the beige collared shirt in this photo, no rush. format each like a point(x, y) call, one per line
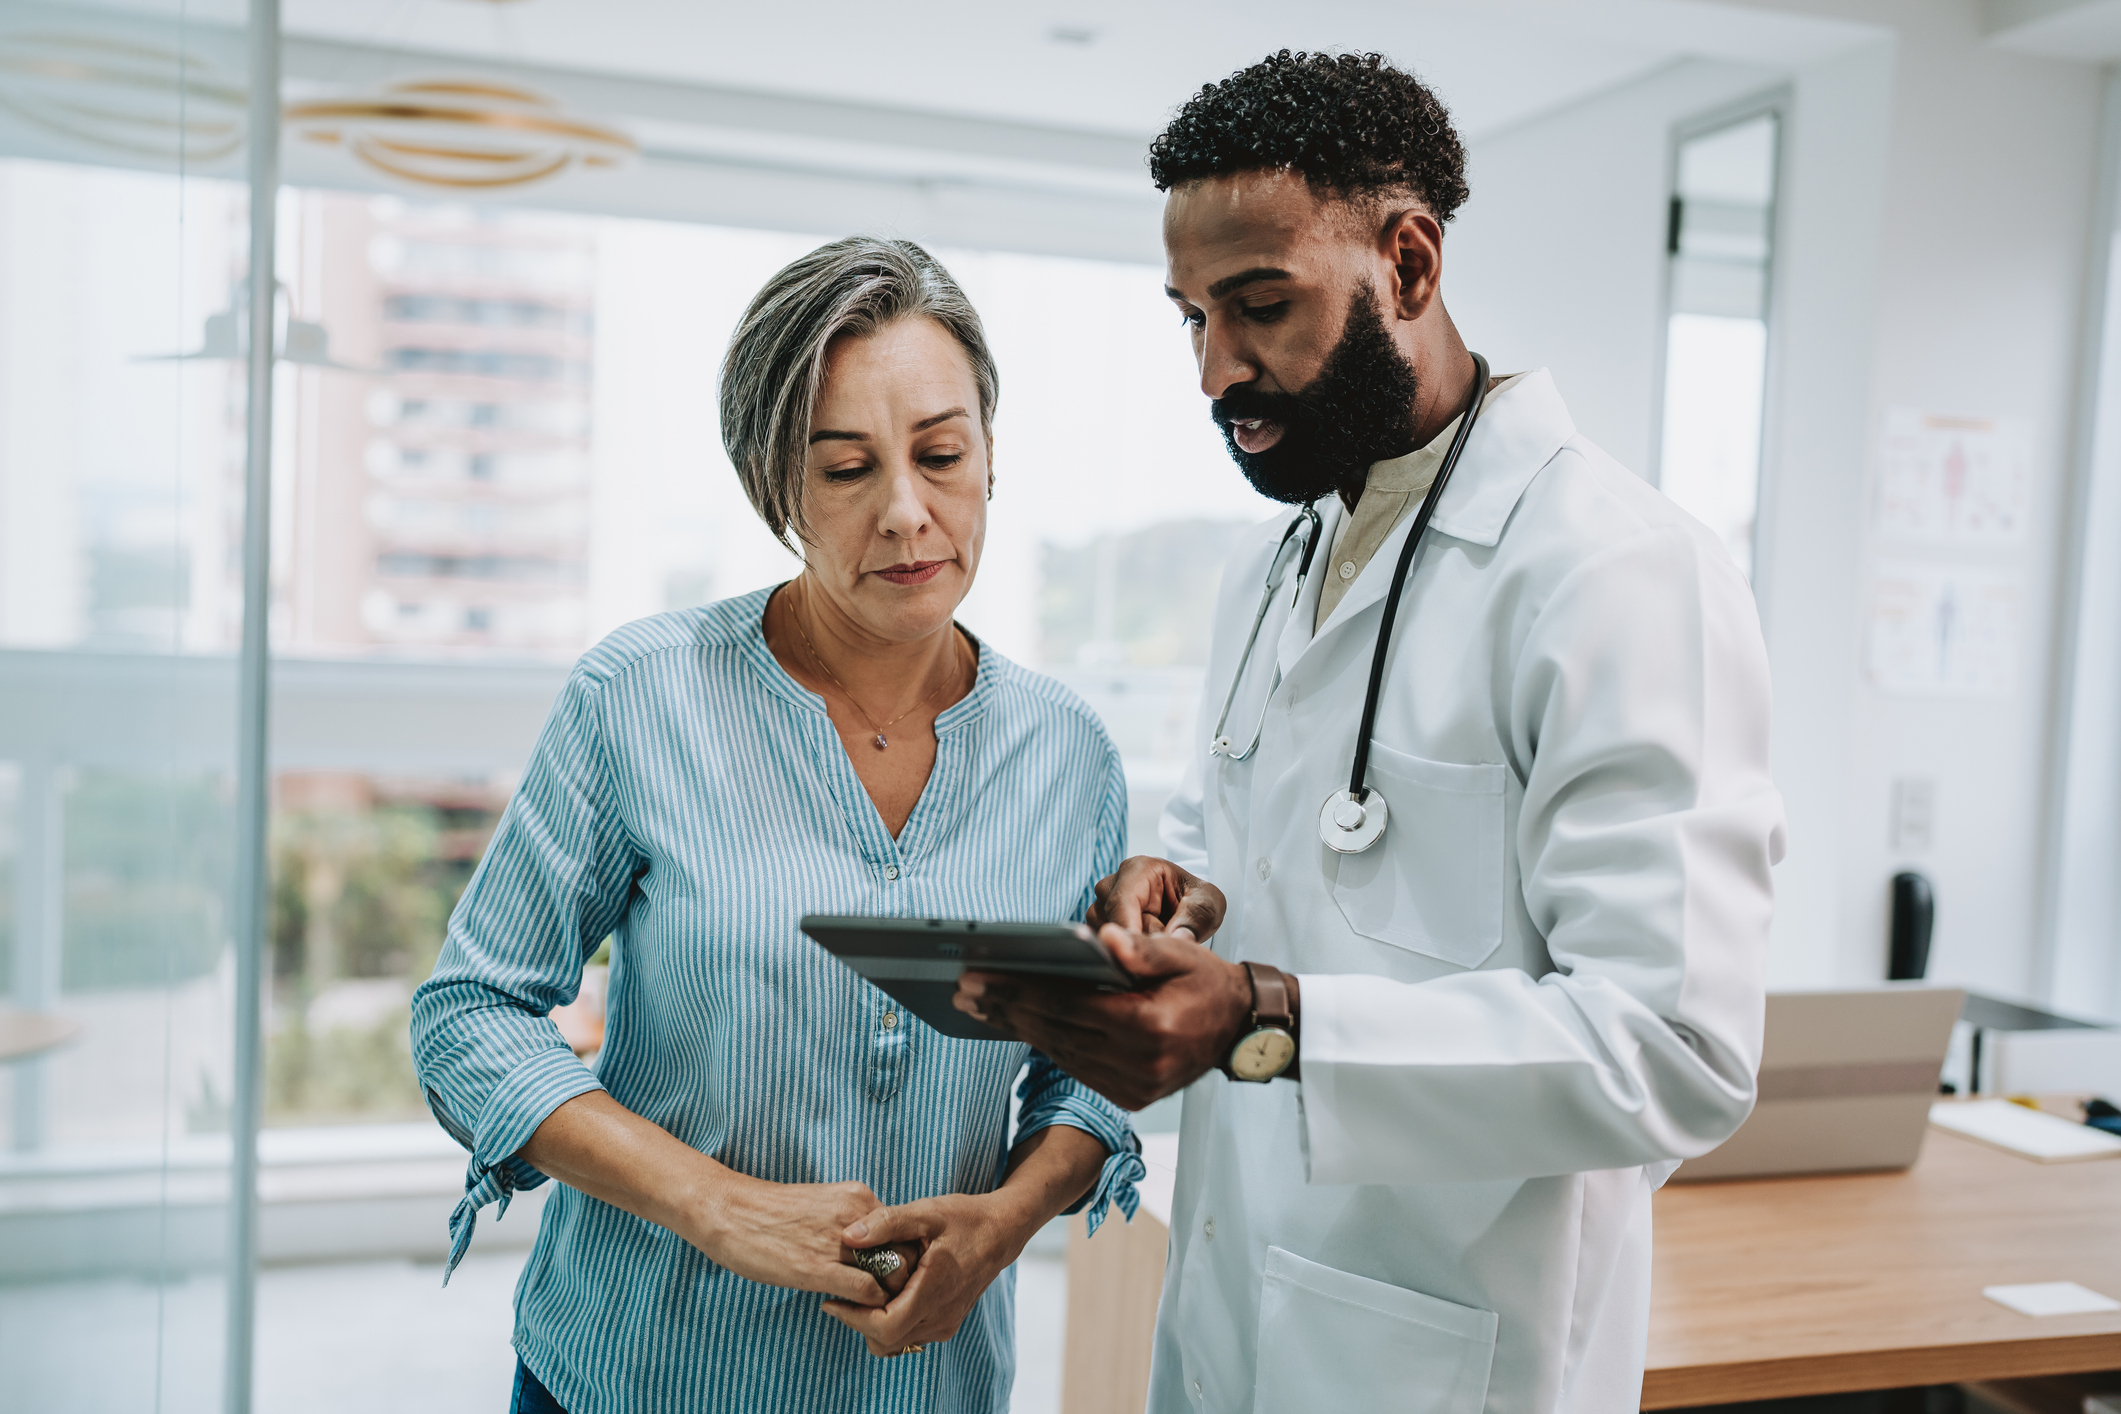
point(1392, 489)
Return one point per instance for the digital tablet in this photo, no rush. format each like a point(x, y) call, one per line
point(918, 960)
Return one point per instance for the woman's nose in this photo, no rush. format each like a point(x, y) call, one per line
point(906, 512)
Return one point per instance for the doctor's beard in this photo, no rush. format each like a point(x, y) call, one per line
point(1359, 410)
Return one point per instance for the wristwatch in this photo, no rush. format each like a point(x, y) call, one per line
point(1268, 1045)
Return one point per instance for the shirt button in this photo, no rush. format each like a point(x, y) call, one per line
point(1264, 867)
point(890, 1021)
point(1347, 569)
point(890, 871)
point(1207, 1229)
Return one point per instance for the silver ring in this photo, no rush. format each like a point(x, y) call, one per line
point(879, 1262)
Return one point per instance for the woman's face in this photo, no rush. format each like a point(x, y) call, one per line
point(896, 490)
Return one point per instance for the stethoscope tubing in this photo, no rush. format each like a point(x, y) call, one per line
point(1407, 552)
point(1307, 520)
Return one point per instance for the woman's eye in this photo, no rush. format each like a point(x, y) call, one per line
point(839, 475)
point(942, 461)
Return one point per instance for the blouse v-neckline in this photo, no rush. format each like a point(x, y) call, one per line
point(832, 757)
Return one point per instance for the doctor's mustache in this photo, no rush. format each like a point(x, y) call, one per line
point(1359, 409)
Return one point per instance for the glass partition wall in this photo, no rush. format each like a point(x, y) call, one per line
point(1720, 247)
point(494, 441)
point(125, 238)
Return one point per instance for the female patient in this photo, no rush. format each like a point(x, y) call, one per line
point(835, 745)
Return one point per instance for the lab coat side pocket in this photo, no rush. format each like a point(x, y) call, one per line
point(1433, 883)
point(1330, 1341)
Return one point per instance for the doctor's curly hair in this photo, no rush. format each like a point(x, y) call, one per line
point(1350, 124)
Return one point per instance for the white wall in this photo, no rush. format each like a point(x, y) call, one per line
point(1557, 260)
point(1932, 254)
point(2084, 968)
point(1980, 300)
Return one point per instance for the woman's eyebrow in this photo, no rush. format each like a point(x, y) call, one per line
point(828, 434)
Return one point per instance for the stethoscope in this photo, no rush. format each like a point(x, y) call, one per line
point(1351, 820)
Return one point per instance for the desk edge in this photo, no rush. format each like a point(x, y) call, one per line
point(1680, 1387)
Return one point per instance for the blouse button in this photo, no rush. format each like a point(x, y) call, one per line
point(891, 1021)
point(890, 871)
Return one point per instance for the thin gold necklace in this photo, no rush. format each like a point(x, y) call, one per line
point(880, 739)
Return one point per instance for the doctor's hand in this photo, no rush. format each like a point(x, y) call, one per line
point(1135, 1047)
point(1151, 895)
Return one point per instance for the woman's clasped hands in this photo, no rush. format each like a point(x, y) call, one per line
point(958, 1244)
point(809, 1235)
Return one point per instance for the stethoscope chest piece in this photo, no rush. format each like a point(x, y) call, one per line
point(1347, 825)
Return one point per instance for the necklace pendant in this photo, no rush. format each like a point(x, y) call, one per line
point(880, 742)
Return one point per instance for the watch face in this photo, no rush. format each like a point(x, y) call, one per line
point(1263, 1055)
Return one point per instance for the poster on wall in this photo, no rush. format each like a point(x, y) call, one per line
point(1958, 481)
point(1944, 630)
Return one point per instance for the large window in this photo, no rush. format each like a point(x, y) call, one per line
point(518, 451)
point(496, 442)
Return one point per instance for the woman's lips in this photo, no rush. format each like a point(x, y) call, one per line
point(919, 572)
point(1256, 434)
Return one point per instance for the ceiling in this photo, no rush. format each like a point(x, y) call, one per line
point(1099, 65)
point(2056, 29)
point(1009, 126)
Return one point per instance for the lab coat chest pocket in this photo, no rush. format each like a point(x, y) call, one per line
point(1331, 1340)
point(1433, 884)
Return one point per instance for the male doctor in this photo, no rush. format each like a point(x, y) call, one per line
point(1431, 1083)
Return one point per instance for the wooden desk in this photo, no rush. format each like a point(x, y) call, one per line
point(1793, 1286)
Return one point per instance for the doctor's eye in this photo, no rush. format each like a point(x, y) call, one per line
point(1266, 313)
point(1191, 319)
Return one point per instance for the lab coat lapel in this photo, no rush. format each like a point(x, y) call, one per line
point(1516, 435)
point(1296, 629)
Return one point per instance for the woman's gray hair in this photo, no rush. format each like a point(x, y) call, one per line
point(776, 358)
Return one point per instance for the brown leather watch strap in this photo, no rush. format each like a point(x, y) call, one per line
point(1272, 1004)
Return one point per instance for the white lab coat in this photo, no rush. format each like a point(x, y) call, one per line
point(1537, 991)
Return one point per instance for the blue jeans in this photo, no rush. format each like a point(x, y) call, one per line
point(530, 1397)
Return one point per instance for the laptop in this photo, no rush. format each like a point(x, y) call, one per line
point(1846, 1083)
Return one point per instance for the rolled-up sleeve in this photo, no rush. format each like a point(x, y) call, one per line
point(1049, 1096)
point(554, 882)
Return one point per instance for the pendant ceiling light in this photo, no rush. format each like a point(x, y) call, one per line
point(461, 134)
point(127, 95)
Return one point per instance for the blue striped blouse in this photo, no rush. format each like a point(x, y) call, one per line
point(692, 801)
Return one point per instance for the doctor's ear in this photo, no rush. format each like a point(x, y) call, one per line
point(1413, 242)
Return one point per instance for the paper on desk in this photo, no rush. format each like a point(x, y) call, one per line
point(2045, 1137)
point(2050, 1298)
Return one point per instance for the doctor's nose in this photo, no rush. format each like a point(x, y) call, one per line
point(1224, 363)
